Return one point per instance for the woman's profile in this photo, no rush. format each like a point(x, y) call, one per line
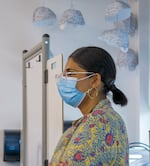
point(99, 137)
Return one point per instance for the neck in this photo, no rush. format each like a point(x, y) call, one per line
point(88, 104)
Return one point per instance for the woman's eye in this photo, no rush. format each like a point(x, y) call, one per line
point(70, 74)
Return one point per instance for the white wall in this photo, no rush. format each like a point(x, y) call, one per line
point(144, 53)
point(17, 33)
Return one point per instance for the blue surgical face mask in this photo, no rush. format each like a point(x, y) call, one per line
point(68, 91)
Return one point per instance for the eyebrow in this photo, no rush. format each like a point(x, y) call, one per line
point(70, 69)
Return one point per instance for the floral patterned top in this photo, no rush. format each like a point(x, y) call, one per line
point(97, 139)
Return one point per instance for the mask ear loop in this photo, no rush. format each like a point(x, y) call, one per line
point(90, 95)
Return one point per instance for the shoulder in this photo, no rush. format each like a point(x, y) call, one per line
point(104, 112)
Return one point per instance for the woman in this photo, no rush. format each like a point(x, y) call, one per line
point(99, 138)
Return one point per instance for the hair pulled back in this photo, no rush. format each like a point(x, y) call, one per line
point(98, 60)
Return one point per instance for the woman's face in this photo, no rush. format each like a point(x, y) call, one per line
point(82, 85)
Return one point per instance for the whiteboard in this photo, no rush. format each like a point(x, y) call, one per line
point(34, 114)
point(54, 105)
point(33, 137)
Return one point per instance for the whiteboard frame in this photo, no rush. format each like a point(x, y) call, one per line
point(55, 114)
point(43, 48)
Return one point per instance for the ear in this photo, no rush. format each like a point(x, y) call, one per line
point(96, 80)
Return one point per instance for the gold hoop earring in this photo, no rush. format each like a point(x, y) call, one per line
point(90, 95)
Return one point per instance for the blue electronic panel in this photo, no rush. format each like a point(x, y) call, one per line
point(11, 145)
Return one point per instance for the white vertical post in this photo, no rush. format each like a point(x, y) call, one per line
point(54, 105)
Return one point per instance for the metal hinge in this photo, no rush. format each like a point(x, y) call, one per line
point(46, 76)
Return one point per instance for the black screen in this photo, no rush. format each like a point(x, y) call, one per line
point(11, 145)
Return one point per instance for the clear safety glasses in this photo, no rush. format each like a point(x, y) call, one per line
point(72, 74)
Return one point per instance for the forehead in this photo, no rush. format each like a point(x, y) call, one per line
point(71, 65)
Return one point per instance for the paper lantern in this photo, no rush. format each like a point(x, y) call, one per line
point(72, 17)
point(117, 11)
point(43, 16)
point(116, 38)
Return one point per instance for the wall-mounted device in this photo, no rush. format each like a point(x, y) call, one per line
point(11, 145)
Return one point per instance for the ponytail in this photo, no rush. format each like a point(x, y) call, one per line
point(118, 96)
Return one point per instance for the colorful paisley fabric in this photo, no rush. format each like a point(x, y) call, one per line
point(97, 139)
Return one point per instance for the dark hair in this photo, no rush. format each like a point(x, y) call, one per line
point(98, 60)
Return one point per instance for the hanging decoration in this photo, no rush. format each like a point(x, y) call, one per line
point(129, 25)
point(117, 11)
point(117, 38)
point(72, 17)
point(43, 16)
point(129, 59)
point(119, 14)
point(132, 59)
